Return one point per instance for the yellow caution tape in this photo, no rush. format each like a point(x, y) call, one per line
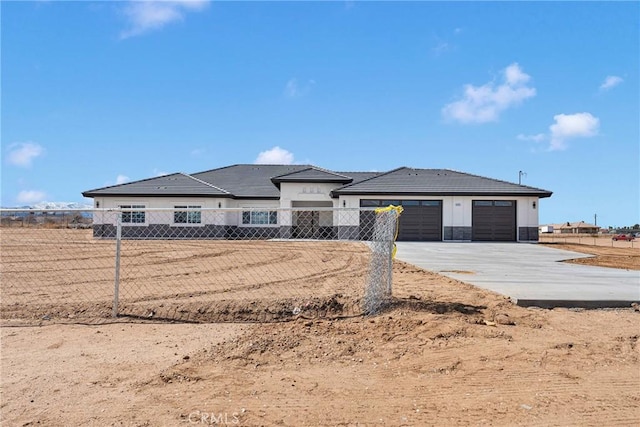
point(399, 210)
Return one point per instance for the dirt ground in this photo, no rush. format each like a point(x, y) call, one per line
point(589, 240)
point(613, 257)
point(444, 353)
point(62, 273)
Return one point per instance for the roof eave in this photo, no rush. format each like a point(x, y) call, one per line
point(90, 194)
point(319, 180)
point(541, 195)
point(256, 197)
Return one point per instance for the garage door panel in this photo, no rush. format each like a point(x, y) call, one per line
point(421, 221)
point(494, 220)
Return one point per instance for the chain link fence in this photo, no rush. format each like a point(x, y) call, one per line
point(608, 240)
point(193, 264)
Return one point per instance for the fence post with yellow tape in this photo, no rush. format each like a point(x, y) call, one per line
point(383, 249)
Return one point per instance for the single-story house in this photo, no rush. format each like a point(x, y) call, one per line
point(439, 204)
point(579, 227)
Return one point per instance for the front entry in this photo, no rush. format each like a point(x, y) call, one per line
point(310, 223)
point(306, 224)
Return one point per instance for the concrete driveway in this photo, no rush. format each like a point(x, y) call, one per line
point(528, 273)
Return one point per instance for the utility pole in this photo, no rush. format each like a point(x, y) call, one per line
point(595, 219)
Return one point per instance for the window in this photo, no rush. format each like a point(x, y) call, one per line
point(190, 215)
point(493, 202)
point(260, 217)
point(364, 203)
point(131, 216)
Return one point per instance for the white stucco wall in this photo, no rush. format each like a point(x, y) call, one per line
point(158, 202)
point(159, 210)
point(528, 215)
point(308, 193)
point(297, 191)
point(456, 210)
point(165, 208)
point(350, 215)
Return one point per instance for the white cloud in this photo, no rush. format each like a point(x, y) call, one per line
point(566, 127)
point(31, 196)
point(569, 126)
point(481, 104)
point(294, 89)
point(149, 15)
point(291, 88)
point(611, 82)
point(514, 75)
point(23, 153)
point(441, 47)
point(539, 137)
point(275, 156)
point(121, 179)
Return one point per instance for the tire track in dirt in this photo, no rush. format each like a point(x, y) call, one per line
point(283, 287)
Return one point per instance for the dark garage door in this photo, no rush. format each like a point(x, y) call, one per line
point(494, 221)
point(421, 220)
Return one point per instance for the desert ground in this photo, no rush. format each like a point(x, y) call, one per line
point(604, 256)
point(442, 353)
point(589, 240)
point(62, 273)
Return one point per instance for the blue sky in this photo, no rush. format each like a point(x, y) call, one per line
point(98, 93)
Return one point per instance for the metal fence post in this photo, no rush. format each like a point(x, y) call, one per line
point(393, 217)
point(116, 289)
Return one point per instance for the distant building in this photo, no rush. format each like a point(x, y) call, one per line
point(576, 228)
point(545, 228)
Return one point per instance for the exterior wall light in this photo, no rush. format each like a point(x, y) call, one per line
point(533, 204)
point(344, 203)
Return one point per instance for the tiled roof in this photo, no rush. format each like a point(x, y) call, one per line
point(312, 174)
point(579, 224)
point(360, 176)
point(177, 184)
point(410, 181)
point(260, 182)
point(249, 181)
